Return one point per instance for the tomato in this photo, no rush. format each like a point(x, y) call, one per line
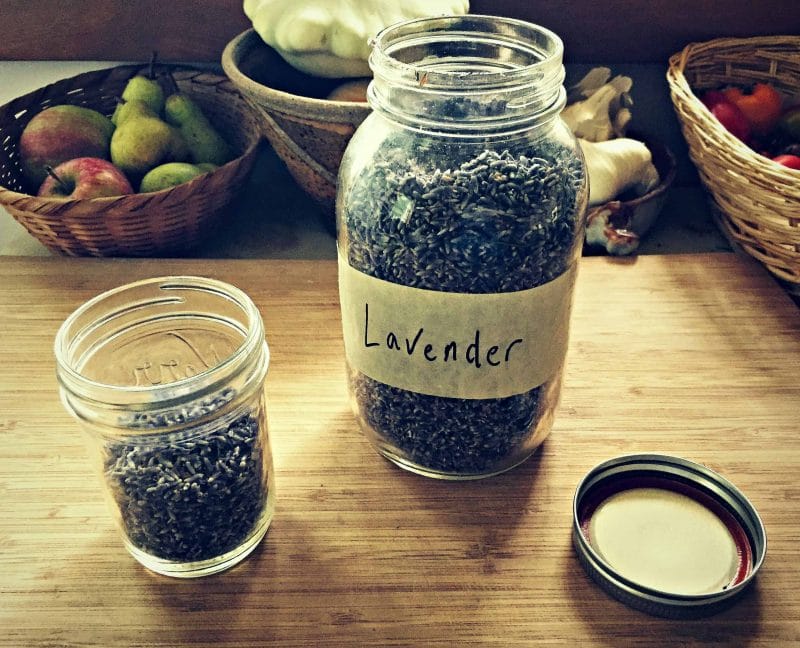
point(762, 107)
point(711, 98)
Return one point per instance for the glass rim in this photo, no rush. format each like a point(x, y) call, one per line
point(396, 34)
point(76, 384)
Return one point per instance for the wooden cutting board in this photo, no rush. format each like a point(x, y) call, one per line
point(696, 356)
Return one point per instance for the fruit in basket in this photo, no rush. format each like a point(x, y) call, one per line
point(146, 90)
point(204, 142)
point(62, 133)
point(127, 108)
point(762, 106)
point(177, 150)
point(760, 120)
point(83, 178)
point(728, 114)
point(142, 142)
point(789, 161)
point(169, 175)
point(789, 123)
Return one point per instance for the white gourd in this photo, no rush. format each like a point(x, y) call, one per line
point(330, 38)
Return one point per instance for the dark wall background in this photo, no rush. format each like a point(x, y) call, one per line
point(197, 30)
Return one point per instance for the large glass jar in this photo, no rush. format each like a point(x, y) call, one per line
point(460, 217)
point(167, 376)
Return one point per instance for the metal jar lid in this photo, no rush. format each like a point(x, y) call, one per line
point(666, 536)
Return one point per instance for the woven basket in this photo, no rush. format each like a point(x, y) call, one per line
point(755, 201)
point(170, 221)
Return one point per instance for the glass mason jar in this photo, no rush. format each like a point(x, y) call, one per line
point(460, 219)
point(167, 376)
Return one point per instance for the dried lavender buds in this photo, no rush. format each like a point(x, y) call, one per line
point(190, 495)
point(449, 435)
point(498, 222)
point(454, 217)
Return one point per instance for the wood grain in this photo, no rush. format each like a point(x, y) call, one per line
point(188, 30)
point(697, 356)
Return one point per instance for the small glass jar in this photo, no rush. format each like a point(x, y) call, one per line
point(167, 376)
point(460, 219)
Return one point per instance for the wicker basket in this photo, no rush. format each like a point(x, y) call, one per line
point(755, 201)
point(170, 221)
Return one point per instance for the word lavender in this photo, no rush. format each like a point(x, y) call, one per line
point(469, 352)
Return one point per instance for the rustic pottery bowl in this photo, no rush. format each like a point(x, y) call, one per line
point(619, 225)
point(307, 131)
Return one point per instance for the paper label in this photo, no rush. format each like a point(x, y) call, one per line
point(454, 344)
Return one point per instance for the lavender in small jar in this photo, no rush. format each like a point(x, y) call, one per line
point(194, 494)
point(167, 377)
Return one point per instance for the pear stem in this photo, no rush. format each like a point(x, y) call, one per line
point(55, 177)
point(173, 84)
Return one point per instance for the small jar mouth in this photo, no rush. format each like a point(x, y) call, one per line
point(479, 72)
point(99, 347)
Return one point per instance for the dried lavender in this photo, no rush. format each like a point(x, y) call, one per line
point(451, 435)
point(450, 217)
point(194, 494)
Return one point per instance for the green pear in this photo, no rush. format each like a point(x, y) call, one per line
point(168, 175)
point(147, 90)
point(178, 150)
point(128, 108)
point(141, 143)
point(207, 167)
point(204, 142)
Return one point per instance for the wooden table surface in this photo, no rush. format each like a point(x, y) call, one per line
point(697, 356)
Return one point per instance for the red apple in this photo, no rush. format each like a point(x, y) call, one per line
point(733, 120)
point(84, 178)
point(62, 133)
point(728, 114)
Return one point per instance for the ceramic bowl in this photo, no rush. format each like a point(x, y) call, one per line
point(619, 225)
point(307, 131)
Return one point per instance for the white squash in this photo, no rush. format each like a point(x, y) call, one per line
point(330, 38)
point(616, 166)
